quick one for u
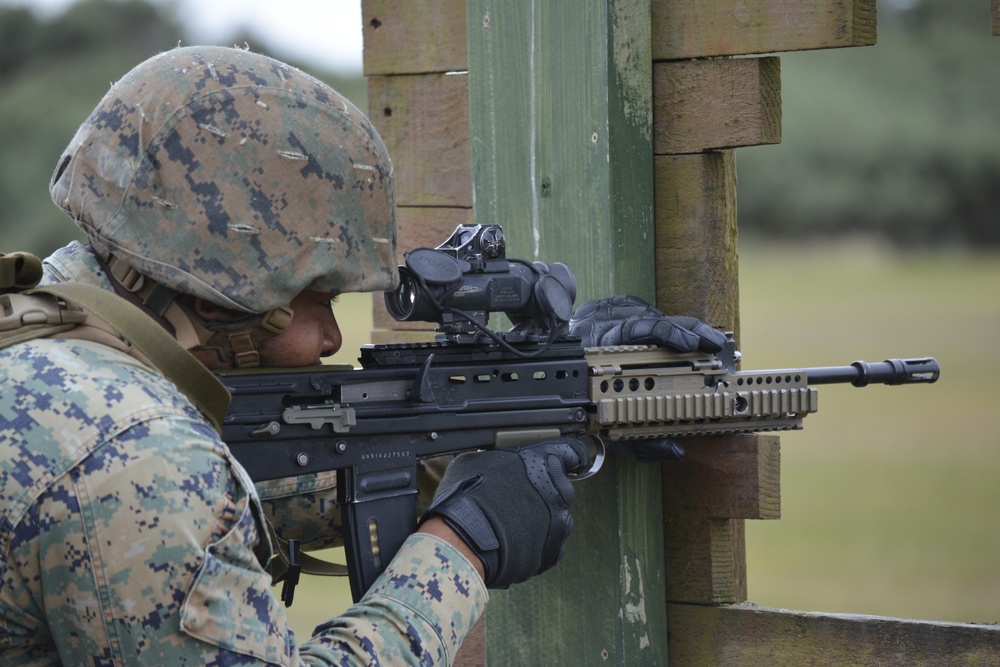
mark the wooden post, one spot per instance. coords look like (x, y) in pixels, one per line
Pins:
(562, 157)
(703, 109)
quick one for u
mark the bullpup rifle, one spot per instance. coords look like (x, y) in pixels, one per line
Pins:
(475, 388)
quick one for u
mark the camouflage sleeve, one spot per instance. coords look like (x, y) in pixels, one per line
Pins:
(145, 554)
(163, 571)
(417, 613)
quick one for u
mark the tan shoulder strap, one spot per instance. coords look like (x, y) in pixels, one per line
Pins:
(191, 377)
(38, 318)
(25, 317)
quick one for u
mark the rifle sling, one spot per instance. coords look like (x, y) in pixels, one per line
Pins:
(191, 377)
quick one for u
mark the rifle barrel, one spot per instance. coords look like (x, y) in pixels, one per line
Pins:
(890, 371)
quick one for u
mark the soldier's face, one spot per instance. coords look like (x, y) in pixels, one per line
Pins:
(312, 334)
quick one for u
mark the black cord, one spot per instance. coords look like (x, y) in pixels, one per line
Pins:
(496, 338)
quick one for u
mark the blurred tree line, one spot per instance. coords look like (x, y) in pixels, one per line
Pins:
(899, 140)
(52, 75)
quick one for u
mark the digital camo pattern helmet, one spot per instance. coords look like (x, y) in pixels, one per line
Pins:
(233, 177)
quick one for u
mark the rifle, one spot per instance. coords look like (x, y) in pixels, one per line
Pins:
(476, 388)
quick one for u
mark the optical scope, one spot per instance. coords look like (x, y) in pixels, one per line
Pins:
(461, 282)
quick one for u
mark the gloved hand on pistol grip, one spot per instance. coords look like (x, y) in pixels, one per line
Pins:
(628, 320)
(511, 506)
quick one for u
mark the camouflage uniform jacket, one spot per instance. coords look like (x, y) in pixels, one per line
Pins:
(129, 535)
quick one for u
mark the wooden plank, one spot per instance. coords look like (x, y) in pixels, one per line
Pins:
(722, 481)
(697, 274)
(696, 28)
(704, 105)
(705, 558)
(732, 477)
(558, 138)
(413, 36)
(424, 121)
(604, 602)
(561, 120)
(995, 16)
(747, 636)
(697, 270)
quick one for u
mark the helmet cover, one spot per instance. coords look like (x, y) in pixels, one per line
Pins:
(233, 177)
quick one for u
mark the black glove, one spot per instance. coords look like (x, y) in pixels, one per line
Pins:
(511, 506)
(628, 320)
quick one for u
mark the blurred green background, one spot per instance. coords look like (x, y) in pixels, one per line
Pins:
(871, 231)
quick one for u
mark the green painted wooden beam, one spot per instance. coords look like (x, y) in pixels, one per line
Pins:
(561, 135)
(561, 115)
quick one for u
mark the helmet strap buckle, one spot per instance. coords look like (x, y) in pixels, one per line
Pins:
(245, 354)
(276, 320)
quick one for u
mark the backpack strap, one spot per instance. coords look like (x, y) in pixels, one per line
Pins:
(24, 317)
(26, 314)
(197, 382)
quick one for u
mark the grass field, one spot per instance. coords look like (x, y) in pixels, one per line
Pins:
(890, 495)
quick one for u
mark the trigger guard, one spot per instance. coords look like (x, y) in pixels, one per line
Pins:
(600, 451)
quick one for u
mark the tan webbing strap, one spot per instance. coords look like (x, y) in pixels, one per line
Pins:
(191, 377)
(19, 271)
(24, 317)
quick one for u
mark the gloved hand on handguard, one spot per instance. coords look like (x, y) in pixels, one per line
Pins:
(628, 320)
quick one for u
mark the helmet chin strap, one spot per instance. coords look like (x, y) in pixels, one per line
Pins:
(235, 342)
(151, 297)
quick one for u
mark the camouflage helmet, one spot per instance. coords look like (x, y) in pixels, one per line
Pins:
(233, 177)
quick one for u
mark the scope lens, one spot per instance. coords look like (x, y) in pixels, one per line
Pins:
(402, 301)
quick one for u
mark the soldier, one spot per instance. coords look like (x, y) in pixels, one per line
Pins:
(232, 198)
